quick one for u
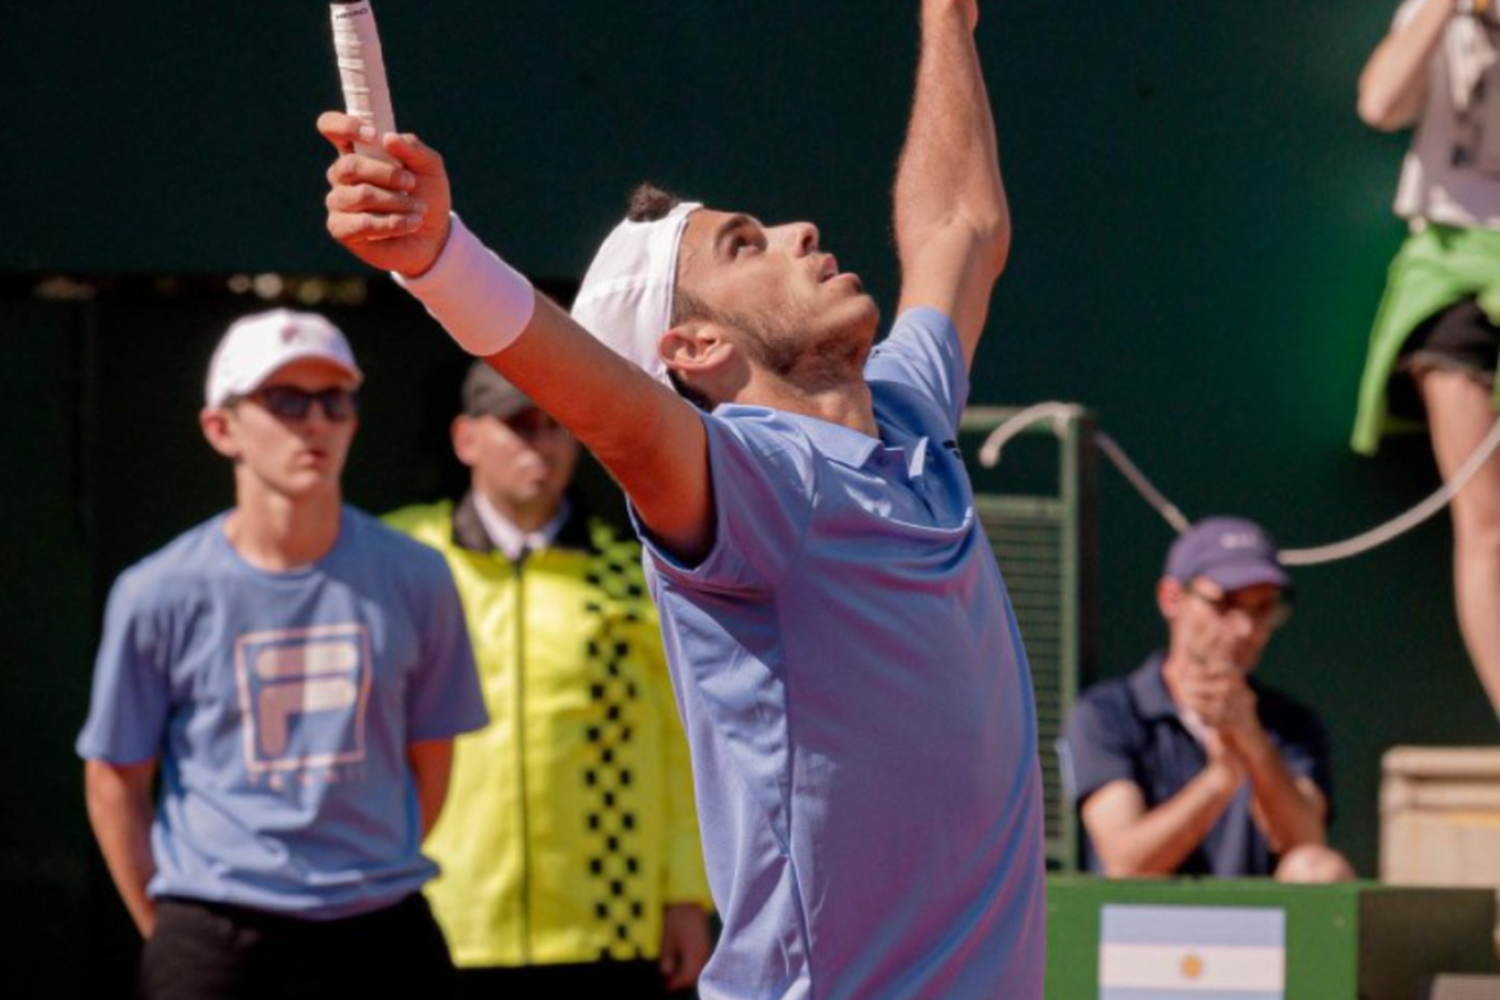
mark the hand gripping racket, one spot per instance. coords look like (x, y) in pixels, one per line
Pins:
(356, 45)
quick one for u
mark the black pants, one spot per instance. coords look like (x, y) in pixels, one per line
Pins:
(212, 951)
(605, 979)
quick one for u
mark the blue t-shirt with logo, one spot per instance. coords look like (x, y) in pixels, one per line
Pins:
(858, 703)
(280, 707)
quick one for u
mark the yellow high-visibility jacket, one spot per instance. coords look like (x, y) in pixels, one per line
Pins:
(569, 823)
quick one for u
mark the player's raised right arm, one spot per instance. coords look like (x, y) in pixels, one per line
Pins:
(396, 217)
(952, 220)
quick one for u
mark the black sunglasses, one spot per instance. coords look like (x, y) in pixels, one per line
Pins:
(287, 402)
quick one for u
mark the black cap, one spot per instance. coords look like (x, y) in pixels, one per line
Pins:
(488, 393)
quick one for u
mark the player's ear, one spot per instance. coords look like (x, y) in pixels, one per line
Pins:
(704, 358)
(694, 348)
(215, 422)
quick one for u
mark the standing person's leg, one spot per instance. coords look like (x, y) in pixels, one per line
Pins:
(1460, 413)
(202, 951)
(398, 951)
(613, 980)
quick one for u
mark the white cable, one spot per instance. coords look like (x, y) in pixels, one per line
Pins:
(1132, 473)
(1060, 413)
(1404, 522)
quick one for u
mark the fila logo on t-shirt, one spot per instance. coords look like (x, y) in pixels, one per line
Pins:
(303, 695)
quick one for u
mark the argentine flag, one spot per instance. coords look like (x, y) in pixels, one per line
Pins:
(1192, 953)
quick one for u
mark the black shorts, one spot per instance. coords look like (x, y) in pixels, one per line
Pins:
(1460, 338)
(213, 951)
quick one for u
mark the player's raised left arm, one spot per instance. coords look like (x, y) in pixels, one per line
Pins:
(952, 221)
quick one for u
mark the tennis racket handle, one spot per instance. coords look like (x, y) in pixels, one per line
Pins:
(356, 46)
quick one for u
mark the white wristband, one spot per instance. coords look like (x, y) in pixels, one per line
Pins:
(481, 301)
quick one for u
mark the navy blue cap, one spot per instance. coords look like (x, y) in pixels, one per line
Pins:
(1230, 551)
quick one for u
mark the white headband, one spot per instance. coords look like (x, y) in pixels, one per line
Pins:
(626, 297)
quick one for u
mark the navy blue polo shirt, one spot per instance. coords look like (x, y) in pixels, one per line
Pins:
(1128, 728)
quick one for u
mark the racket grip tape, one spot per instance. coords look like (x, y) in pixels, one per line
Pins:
(356, 46)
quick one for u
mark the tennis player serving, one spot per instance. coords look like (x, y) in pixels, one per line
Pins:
(844, 654)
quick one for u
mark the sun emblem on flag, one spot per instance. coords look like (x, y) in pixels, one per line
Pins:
(1192, 967)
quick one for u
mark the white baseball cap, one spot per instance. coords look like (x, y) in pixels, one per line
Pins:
(256, 347)
(626, 297)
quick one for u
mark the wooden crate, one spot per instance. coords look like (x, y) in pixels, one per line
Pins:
(1440, 816)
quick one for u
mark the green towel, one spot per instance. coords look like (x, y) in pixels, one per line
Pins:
(1436, 267)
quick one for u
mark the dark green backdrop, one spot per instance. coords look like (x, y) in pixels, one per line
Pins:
(1201, 230)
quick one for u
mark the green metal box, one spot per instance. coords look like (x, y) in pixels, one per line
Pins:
(1351, 941)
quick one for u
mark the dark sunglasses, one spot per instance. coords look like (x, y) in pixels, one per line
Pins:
(287, 402)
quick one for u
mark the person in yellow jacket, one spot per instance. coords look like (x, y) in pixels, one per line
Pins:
(569, 846)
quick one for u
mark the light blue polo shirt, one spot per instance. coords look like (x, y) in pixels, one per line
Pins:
(858, 703)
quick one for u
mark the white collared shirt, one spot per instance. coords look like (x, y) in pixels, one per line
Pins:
(512, 540)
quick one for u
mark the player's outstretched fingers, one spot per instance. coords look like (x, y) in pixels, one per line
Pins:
(354, 228)
(392, 216)
(344, 130)
(370, 198)
(352, 170)
(413, 153)
(425, 166)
